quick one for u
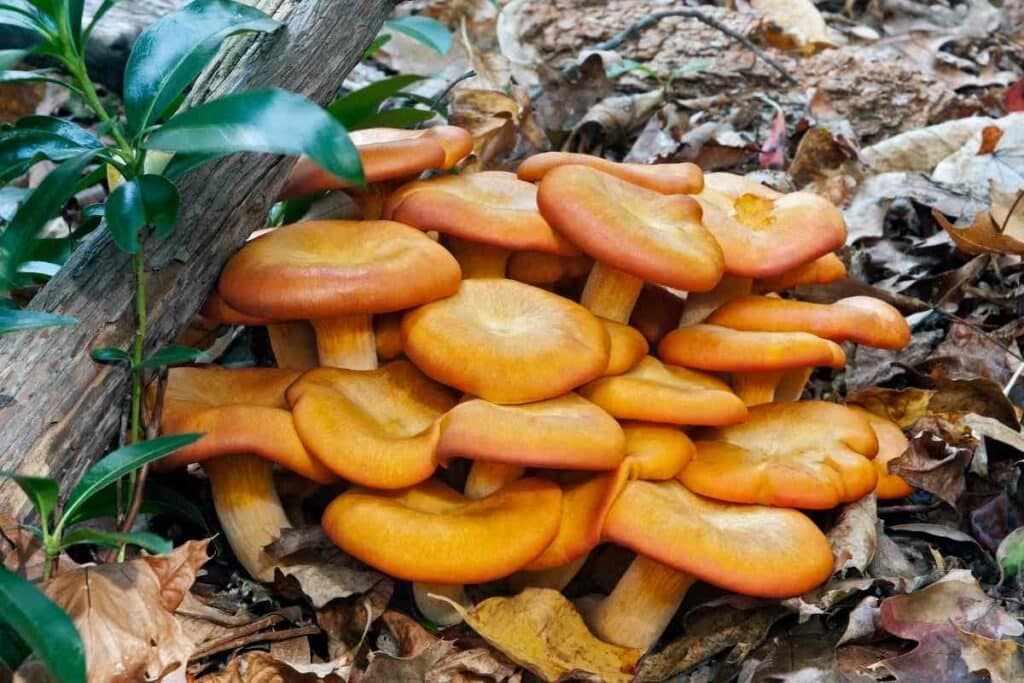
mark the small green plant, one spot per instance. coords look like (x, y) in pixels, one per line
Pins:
(665, 81)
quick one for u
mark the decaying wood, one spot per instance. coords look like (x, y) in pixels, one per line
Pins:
(58, 408)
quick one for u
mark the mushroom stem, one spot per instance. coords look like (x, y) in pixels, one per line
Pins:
(487, 477)
(791, 385)
(756, 387)
(248, 508)
(439, 611)
(611, 293)
(555, 578)
(641, 605)
(346, 342)
(371, 199)
(479, 260)
(294, 345)
(699, 305)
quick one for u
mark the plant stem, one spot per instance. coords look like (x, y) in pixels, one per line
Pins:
(135, 422)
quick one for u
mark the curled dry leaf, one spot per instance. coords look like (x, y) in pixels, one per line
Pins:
(922, 149)
(937, 459)
(325, 575)
(609, 123)
(20, 551)
(125, 614)
(999, 230)
(793, 25)
(994, 154)
(1001, 659)
(262, 667)
(501, 126)
(854, 535)
(539, 629)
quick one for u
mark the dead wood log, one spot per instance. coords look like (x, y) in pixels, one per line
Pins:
(59, 410)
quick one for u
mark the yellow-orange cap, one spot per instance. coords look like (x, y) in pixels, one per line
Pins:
(681, 178)
(820, 271)
(892, 443)
(722, 349)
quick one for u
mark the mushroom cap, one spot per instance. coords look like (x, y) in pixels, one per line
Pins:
(506, 342)
(803, 454)
(722, 349)
(681, 178)
(432, 533)
(820, 271)
(759, 551)
(655, 452)
(654, 392)
(892, 443)
(328, 269)
(240, 411)
(387, 335)
(567, 432)
(540, 268)
(859, 319)
(216, 310)
(657, 238)
(491, 207)
(627, 347)
(764, 233)
(386, 154)
(377, 428)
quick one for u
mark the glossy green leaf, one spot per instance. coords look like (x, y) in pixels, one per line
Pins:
(145, 540)
(14, 320)
(11, 58)
(171, 52)
(41, 137)
(30, 76)
(10, 197)
(376, 44)
(159, 500)
(358, 105)
(74, 10)
(403, 117)
(121, 462)
(110, 355)
(39, 269)
(148, 199)
(13, 649)
(430, 32)
(180, 164)
(41, 491)
(175, 354)
(24, 15)
(43, 626)
(271, 121)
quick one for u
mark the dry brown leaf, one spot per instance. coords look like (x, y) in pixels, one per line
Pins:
(493, 119)
(124, 613)
(1002, 660)
(937, 460)
(325, 575)
(261, 667)
(992, 155)
(610, 122)
(922, 149)
(793, 25)
(539, 629)
(1000, 230)
(854, 535)
(19, 99)
(20, 551)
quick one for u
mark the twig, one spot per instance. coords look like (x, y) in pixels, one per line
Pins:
(653, 18)
(271, 637)
(1013, 380)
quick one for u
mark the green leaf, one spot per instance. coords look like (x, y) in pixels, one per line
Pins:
(1010, 555)
(360, 104)
(13, 649)
(376, 44)
(270, 121)
(10, 197)
(29, 76)
(403, 117)
(96, 16)
(180, 164)
(11, 58)
(430, 32)
(110, 355)
(23, 15)
(41, 491)
(171, 52)
(148, 199)
(39, 269)
(13, 320)
(41, 137)
(175, 354)
(159, 500)
(146, 541)
(121, 462)
(74, 10)
(43, 627)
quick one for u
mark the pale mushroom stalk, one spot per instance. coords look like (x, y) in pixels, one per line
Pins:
(556, 578)
(346, 342)
(293, 344)
(477, 259)
(611, 293)
(757, 387)
(792, 384)
(700, 305)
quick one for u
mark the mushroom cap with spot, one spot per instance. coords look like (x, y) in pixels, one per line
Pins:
(491, 207)
(820, 271)
(892, 443)
(681, 178)
(764, 233)
(721, 349)
(386, 154)
(627, 347)
(431, 533)
(654, 237)
(567, 433)
(377, 428)
(803, 454)
(750, 549)
(506, 342)
(329, 269)
(859, 319)
(654, 392)
(240, 411)
(539, 268)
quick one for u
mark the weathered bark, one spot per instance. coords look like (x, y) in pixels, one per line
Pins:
(58, 409)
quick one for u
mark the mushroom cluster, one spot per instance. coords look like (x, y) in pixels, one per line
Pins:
(486, 318)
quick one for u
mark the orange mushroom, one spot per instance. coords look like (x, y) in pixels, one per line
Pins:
(486, 216)
(820, 271)
(807, 454)
(336, 274)
(545, 270)
(892, 443)
(293, 343)
(681, 178)
(627, 347)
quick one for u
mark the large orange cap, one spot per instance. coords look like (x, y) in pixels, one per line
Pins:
(657, 238)
(759, 551)
(805, 454)
(432, 533)
(655, 451)
(682, 178)
(492, 207)
(386, 154)
(820, 271)
(377, 428)
(859, 319)
(241, 411)
(216, 310)
(567, 432)
(627, 347)
(328, 269)
(506, 342)
(722, 349)
(654, 392)
(764, 233)
(892, 443)
(541, 269)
